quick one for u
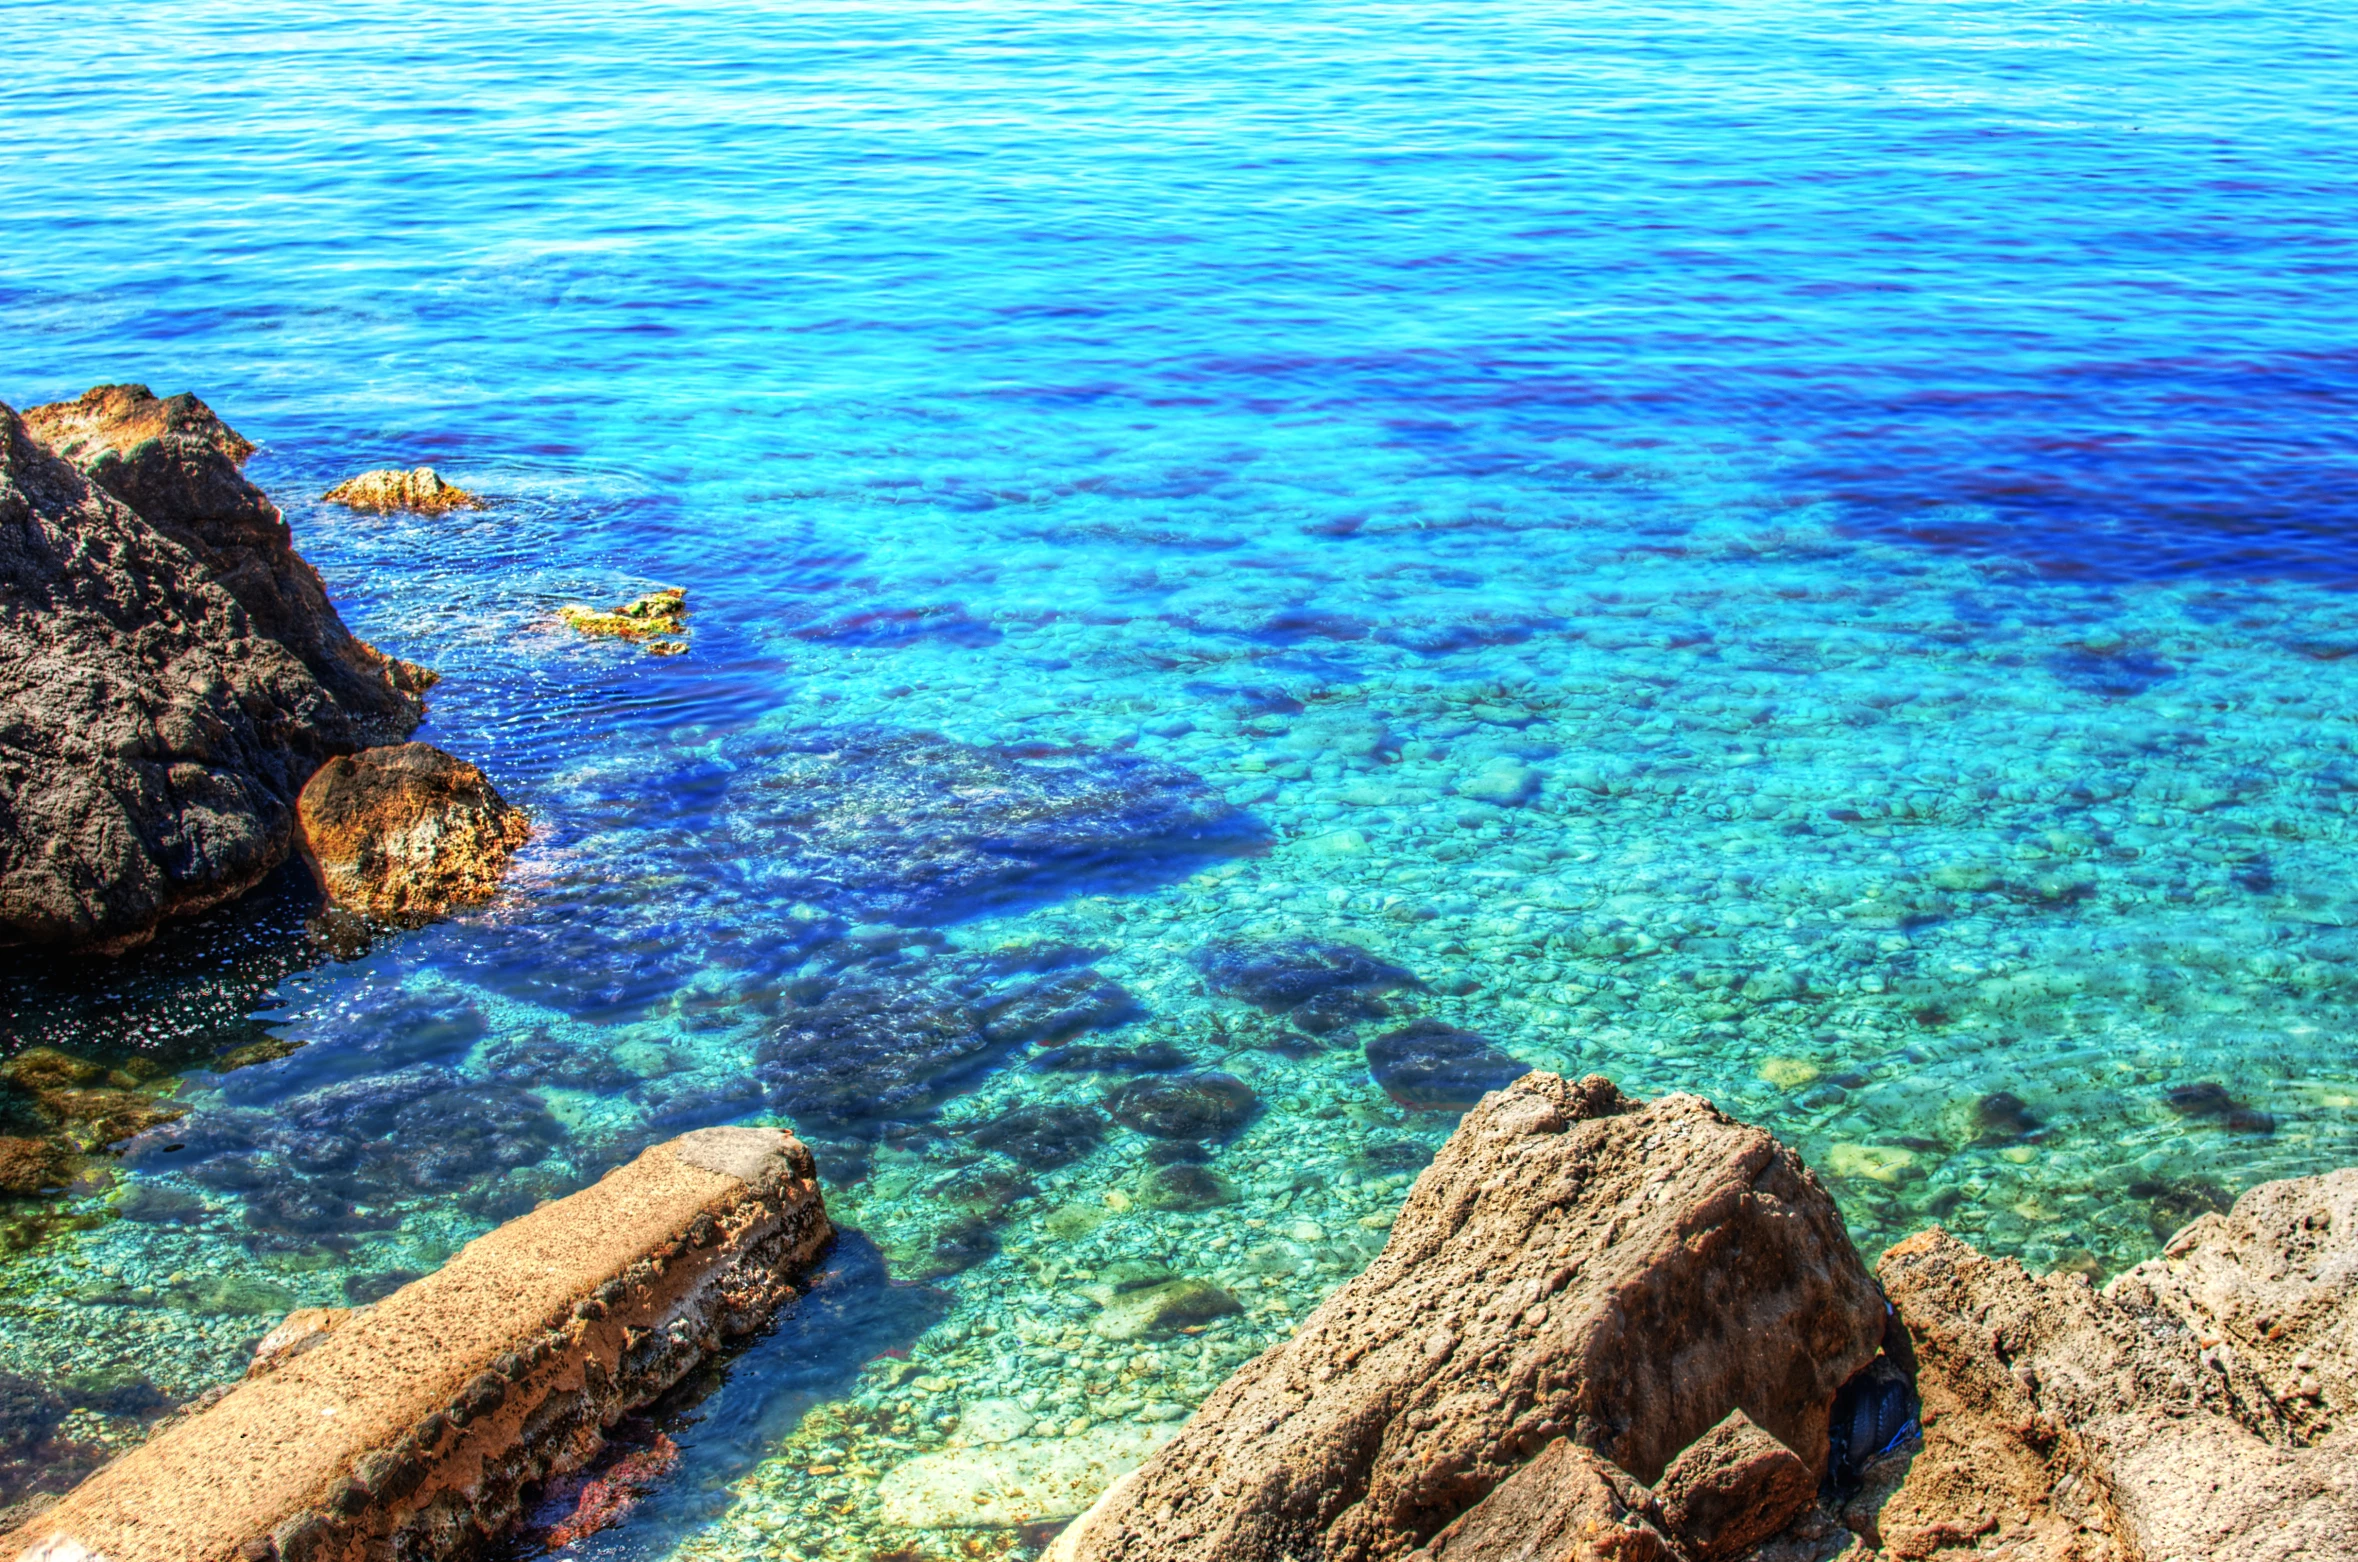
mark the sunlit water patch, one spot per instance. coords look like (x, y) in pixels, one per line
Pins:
(1249, 576)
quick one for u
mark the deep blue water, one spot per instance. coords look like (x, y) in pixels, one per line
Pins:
(1799, 553)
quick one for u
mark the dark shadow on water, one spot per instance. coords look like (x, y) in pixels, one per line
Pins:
(728, 1416)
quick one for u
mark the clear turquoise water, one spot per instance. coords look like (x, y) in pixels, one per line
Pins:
(1879, 479)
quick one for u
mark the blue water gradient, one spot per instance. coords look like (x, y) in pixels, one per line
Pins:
(1798, 553)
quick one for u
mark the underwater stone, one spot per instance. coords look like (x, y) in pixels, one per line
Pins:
(993, 1420)
(1159, 1309)
(1321, 986)
(2001, 1118)
(1061, 1007)
(396, 1372)
(1043, 1137)
(406, 832)
(1032, 1482)
(30, 1166)
(912, 827)
(869, 1050)
(2210, 1099)
(1185, 1187)
(1184, 1106)
(1155, 1057)
(1427, 1065)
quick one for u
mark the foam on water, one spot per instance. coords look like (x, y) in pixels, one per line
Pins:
(1794, 556)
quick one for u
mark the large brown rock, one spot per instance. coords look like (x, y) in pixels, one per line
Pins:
(2066, 1425)
(1571, 1264)
(406, 832)
(1566, 1505)
(1734, 1487)
(166, 687)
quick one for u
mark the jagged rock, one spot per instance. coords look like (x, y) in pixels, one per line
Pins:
(1566, 1505)
(649, 619)
(406, 832)
(2064, 1424)
(421, 489)
(167, 682)
(1572, 1264)
(177, 466)
(1732, 1488)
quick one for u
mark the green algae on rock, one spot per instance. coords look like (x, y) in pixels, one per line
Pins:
(420, 489)
(646, 619)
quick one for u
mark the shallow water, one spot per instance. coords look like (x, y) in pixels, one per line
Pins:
(1796, 555)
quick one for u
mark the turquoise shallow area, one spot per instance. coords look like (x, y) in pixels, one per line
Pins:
(1800, 554)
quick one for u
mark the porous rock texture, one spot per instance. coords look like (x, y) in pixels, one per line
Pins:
(412, 1427)
(406, 832)
(1572, 1264)
(170, 672)
(2181, 1413)
(1566, 1505)
(1733, 1487)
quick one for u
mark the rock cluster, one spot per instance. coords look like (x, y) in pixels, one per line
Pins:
(171, 672)
(1640, 1333)
(406, 832)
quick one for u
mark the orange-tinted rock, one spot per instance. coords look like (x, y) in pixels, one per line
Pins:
(407, 832)
(1567, 1505)
(1732, 1488)
(2065, 1425)
(34, 1165)
(414, 1429)
(1572, 1265)
(421, 489)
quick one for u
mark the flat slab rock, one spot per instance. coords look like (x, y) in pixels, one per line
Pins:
(411, 1427)
(1572, 1266)
(2195, 1408)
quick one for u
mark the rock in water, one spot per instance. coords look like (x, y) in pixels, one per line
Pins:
(177, 466)
(1184, 1106)
(406, 832)
(1321, 987)
(1572, 1265)
(1029, 1482)
(1431, 1066)
(167, 683)
(867, 1051)
(2158, 1418)
(421, 489)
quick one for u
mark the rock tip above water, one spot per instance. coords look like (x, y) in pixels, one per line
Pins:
(406, 832)
(420, 489)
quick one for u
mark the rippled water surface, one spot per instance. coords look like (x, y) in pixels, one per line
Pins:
(1796, 553)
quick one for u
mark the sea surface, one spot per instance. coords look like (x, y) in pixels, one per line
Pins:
(1253, 569)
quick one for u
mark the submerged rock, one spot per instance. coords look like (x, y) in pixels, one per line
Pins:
(1185, 1186)
(386, 489)
(869, 1050)
(34, 1166)
(407, 832)
(1572, 1266)
(1184, 1106)
(1034, 1481)
(1159, 1309)
(1043, 1137)
(1321, 987)
(1055, 1009)
(651, 618)
(174, 672)
(911, 828)
(1427, 1065)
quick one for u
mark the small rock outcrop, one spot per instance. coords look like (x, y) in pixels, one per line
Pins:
(170, 672)
(1573, 1269)
(406, 832)
(1732, 1488)
(651, 619)
(420, 489)
(413, 1427)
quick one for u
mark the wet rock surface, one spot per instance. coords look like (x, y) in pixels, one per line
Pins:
(1572, 1265)
(420, 489)
(172, 677)
(406, 832)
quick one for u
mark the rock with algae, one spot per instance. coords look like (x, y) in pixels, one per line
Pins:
(420, 489)
(649, 619)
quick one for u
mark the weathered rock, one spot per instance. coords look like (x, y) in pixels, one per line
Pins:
(406, 832)
(2064, 1424)
(421, 489)
(177, 466)
(414, 1429)
(167, 683)
(1572, 1264)
(650, 619)
(1566, 1505)
(1732, 1488)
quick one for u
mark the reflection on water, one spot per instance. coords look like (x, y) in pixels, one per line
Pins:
(1249, 580)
